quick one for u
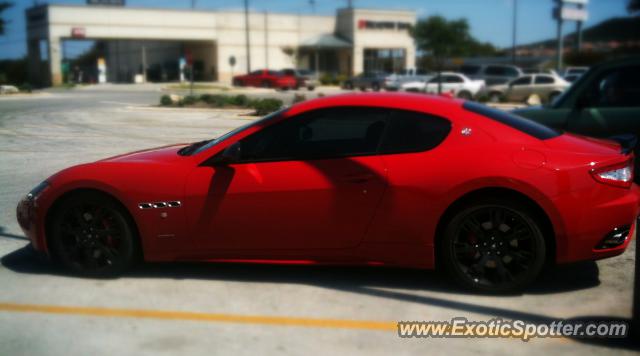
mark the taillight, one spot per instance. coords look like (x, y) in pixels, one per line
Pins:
(619, 175)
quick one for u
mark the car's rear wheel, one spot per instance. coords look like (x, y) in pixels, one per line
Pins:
(375, 87)
(348, 85)
(265, 84)
(237, 83)
(92, 236)
(494, 246)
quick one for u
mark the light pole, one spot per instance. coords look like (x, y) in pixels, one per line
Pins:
(246, 33)
(515, 21)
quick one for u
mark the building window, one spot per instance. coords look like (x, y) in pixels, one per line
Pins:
(388, 60)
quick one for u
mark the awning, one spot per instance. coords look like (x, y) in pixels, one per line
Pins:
(325, 41)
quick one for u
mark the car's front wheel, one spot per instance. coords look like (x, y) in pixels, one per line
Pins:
(494, 246)
(93, 236)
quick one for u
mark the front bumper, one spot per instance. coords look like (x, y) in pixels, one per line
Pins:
(28, 219)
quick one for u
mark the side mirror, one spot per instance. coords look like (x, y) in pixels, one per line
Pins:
(229, 155)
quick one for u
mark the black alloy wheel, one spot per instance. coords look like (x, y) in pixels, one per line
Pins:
(92, 236)
(495, 247)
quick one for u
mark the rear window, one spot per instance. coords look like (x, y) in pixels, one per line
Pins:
(519, 123)
(411, 131)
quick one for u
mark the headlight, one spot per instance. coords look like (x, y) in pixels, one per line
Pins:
(35, 192)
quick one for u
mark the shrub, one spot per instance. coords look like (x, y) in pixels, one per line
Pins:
(298, 98)
(205, 98)
(483, 98)
(326, 79)
(190, 100)
(215, 100)
(165, 100)
(340, 79)
(266, 106)
(239, 100)
(26, 87)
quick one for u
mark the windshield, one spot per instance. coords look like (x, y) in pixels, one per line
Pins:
(237, 130)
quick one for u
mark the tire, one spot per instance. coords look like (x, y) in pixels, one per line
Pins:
(363, 88)
(92, 236)
(495, 97)
(375, 87)
(348, 85)
(237, 83)
(465, 95)
(500, 259)
(265, 84)
(311, 88)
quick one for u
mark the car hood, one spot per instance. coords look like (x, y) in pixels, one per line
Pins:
(164, 154)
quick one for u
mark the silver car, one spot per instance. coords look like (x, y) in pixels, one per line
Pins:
(395, 81)
(545, 86)
(492, 74)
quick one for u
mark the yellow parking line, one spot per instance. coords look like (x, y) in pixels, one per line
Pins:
(194, 316)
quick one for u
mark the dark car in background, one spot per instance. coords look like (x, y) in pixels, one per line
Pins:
(492, 74)
(367, 80)
(603, 102)
(266, 78)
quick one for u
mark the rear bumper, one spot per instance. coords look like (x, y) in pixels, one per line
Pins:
(589, 220)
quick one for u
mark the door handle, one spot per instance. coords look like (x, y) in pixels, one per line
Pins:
(359, 177)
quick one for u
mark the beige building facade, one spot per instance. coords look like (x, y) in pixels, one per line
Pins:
(161, 43)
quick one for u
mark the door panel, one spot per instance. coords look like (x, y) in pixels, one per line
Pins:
(285, 205)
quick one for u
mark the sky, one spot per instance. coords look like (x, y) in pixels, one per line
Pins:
(490, 20)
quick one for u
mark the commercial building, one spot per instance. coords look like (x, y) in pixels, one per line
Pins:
(158, 42)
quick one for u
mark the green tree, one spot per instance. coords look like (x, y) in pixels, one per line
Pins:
(633, 6)
(3, 6)
(442, 39)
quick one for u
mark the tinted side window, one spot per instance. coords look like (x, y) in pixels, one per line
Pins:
(522, 81)
(494, 70)
(453, 79)
(510, 71)
(544, 79)
(323, 133)
(617, 88)
(413, 132)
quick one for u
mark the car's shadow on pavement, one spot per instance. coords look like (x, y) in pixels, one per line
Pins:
(557, 280)
(371, 281)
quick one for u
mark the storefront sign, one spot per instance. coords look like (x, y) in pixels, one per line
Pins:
(383, 25)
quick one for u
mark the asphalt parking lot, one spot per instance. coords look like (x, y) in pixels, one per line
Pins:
(240, 309)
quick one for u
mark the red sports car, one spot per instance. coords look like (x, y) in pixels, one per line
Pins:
(366, 179)
(267, 79)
